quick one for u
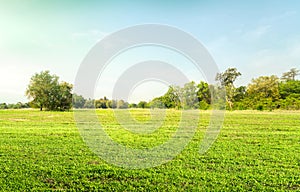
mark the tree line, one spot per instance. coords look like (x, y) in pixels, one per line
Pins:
(262, 93)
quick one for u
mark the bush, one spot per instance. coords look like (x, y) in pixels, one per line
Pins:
(3, 106)
(203, 105)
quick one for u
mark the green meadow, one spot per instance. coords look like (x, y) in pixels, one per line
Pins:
(255, 151)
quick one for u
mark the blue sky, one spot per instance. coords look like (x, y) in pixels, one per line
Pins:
(257, 37)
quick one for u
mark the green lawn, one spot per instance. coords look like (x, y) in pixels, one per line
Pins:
(43, 151)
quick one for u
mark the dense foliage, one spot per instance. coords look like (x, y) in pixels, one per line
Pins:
(262, 93)
(47, 92)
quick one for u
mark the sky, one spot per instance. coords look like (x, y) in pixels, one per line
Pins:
(257, 37)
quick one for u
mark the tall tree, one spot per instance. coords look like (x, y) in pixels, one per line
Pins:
(227, 79)
(189, 96)
(64, 97)
(40, 87)
(203, 92)
(172, 98)
(47, 92)
(290, 75)
(78, 101)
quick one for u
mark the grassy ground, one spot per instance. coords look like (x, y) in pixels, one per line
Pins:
(258, 151)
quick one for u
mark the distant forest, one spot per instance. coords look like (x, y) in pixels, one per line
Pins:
(262, 93)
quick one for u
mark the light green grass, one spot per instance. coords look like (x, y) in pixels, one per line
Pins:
(43, 151)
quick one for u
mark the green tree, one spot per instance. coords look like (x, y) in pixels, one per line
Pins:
(101, 103)
(89, 103)
(291, 102)
(290, 75)
(47, 92)
(240, 93)
(203, 92)
(64, 97)
(290, 94)
(40, 87)
(264, 87)
(78, 101)
(189, 96)
(111, 104)
(157, 103)
(3, 106)
(288, 88)
(142, 104)
(227, 79)
(121, 104)
(264, 92)
(172, 98)
(132, 105)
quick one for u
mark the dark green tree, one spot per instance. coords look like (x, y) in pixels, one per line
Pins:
(289, 88)
(172, 98)
(290, 94)
(203, 92)
(3, 106)
(101, 103)
(142, 104)
(132, 105)
(240, 93)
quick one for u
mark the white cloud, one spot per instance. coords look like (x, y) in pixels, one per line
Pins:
(267, 62)
(253, 56)
(257, 33)
(277, 18)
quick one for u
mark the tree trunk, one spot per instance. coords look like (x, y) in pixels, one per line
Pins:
(41, 108)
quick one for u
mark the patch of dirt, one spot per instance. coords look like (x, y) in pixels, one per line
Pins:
(18, 120)
(94, 162)
(49, 181)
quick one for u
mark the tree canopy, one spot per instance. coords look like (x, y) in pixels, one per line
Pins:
(46, 91)
(290, 75)
(227, 79)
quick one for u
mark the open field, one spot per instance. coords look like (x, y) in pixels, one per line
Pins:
(257, 151)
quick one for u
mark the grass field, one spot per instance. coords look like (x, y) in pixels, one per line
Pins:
(255, 151)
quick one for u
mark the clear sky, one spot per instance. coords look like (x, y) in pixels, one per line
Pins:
(256, 37)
